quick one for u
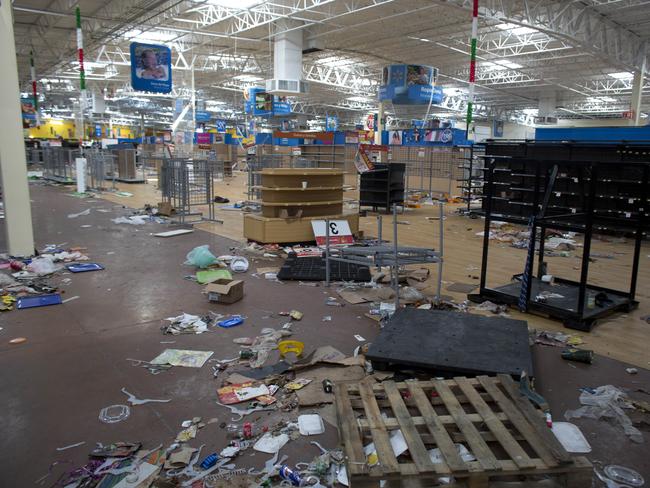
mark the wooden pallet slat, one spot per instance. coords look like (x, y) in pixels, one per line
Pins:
(478, 446)
(519, 421)
(416, 447)
(452, 459)
(378, 430)
(507, 441)
(533, 417)
(489, 434)
(349, 431)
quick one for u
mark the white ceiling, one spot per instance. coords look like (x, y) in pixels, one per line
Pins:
(527, 50)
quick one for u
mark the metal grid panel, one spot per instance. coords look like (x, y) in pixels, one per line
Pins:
(59, 164)
(429, 170)
(101, 169)
(188, 184)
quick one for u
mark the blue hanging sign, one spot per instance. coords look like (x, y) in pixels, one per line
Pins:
(331, 123)
(151, 68)
(261, 103)
(410, 84)
(202, 116)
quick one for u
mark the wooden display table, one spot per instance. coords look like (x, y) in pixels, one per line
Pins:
(291, 199)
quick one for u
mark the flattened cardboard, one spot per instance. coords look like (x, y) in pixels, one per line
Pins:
(225, 291)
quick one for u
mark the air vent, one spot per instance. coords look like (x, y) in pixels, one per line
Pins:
(286, 87)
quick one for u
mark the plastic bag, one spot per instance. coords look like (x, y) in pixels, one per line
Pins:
(606, 402)
(43, 265)
(201, 257)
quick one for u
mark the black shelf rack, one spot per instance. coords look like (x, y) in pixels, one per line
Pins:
(471, 182)
(383, 187)
(573, 187)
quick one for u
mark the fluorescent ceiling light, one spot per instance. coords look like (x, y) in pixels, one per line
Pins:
(334, 61)
(247, 78)
(150, 35)
(601, 99)
(500, 65)
(515, 29)
(622, 75)
(360, 99)
(531, 111)
(238, 4)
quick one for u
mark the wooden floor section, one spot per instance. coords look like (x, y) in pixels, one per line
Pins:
(624, 337)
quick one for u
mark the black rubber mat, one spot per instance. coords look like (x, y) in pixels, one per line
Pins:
(312, 268)
(452, 343)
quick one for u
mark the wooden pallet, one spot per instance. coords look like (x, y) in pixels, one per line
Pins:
(508, 437)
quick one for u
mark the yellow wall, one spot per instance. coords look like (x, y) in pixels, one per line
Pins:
(52, 129)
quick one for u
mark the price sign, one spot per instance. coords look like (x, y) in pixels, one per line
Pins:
(339, 232)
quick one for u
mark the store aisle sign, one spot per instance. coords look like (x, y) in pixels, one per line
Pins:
(410, 84)
(261, 103)
(331, 123)
(221, 125)
(202, 116)
(339, 232)
(151, 68)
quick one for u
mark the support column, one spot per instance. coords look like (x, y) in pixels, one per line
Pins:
(380, 123)
(637, 92)
(13, 166)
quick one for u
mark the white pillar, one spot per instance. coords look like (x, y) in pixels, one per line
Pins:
(637, 92)
(380, 123)
(13, 166)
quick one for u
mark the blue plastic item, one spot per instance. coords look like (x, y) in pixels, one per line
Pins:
(231, 322)
(210, 461)
(83, 267)
(286, 473)
(39, 301)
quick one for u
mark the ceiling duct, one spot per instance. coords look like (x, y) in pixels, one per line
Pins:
(287, 62)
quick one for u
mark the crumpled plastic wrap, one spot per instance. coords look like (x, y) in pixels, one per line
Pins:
(201, 257)
(606, 402)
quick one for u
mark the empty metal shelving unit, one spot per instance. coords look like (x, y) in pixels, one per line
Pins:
(391, 255)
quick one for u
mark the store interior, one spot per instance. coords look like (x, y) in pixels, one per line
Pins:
(321, 243)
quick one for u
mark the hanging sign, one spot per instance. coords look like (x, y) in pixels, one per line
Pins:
(326, 137)
(410, 84)
(151, 68)
(331, 123)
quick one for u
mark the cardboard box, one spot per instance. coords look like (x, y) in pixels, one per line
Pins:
(225, 291)
(165, 208)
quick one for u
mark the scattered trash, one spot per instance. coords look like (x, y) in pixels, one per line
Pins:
(212, 275)
(83, 267)
(623, 475)
(231, 394)
(606, 402)
(74, 216)
(183, 358)
(174, 233)
(571, 437)
(286, 347)
(296, 315)
(38, 301)
(70, 299)
(359, 338)
(271, 444)
(239, 264)
(18, 340)
(201, 257)
(225, 291)
(135, 401)
(297, 384)
(631, 370)
(185, 324)
(578, 355)
(114, 414)
(311, 424)
(65, 448)
(327, 318)
(231, 322)
(133, 220)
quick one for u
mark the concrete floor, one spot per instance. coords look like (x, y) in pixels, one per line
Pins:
(74, 362)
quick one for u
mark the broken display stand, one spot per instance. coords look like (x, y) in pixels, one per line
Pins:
(538, 183)
(391, 255)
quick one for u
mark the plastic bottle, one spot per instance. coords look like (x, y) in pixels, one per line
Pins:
(210, 461)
